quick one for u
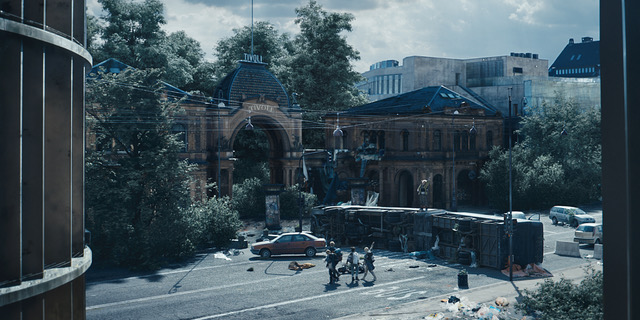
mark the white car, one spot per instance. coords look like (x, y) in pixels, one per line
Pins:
(590, 233)
(570, 215)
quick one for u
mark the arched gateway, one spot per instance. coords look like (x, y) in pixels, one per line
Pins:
(252, 96)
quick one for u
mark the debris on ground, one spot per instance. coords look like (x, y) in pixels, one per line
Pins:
(532, 270)
(462, 308)
(297, 266)
(221, 255)
(250, 269)
(502, 302)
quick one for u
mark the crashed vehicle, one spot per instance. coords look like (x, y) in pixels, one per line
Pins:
(290, 243)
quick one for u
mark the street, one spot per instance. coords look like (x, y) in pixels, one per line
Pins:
(214, 285)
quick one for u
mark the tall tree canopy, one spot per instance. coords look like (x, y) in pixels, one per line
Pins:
(267, 42)
(321, 69)
(131, 32)
(557, 162)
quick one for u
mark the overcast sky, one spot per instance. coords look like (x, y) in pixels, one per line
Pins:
(395, 29)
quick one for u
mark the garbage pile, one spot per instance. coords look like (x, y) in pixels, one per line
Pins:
(462, 308)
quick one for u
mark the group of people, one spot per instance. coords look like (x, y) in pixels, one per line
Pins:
(334, 256)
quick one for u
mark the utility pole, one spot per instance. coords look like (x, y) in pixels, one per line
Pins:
(510, 216)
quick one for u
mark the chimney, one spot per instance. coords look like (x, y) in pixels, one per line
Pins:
(570, 40)
(587, 39)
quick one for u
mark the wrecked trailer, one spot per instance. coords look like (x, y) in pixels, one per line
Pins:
(390, 227)
(464, 238)
(469, 238)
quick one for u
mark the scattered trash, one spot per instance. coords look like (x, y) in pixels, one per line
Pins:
(250, 269)
(453, 299)
(432, 265)
(390, 270)
(531, 270)
(297, 266)
(413, 267)
(418, 254)
(221, 255)
(502, 302)
(435, 316)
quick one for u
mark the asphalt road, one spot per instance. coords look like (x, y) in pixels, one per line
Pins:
(218, 286)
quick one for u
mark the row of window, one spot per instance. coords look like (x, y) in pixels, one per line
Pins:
(462, 140)
(575, 71)
(386, 84)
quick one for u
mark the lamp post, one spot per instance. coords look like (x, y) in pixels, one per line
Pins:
(300, 202)
(510, 215)
(220, 106)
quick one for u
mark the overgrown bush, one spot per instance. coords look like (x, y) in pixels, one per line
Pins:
(564, 300)
(289, 203)
(214, 221)
(249, 199)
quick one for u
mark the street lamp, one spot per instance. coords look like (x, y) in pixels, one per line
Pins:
(300, 203)
(510, 215)
(220, 106)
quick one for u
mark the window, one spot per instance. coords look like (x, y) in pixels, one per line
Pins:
(437, 140)
(456, 140)
(180, 131)
(465, 140)
(381, 140)
(426, 139)
(489, 140)
(472, 141)
(405, 140)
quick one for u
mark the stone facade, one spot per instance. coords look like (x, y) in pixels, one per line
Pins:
(399, 141)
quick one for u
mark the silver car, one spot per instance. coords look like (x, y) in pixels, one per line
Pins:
(569, 215)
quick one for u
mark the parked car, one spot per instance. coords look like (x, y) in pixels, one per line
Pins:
(290, 243)
(570, 215)
(590, 233)
(517, 215)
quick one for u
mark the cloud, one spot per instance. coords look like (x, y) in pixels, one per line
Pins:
(394, 29)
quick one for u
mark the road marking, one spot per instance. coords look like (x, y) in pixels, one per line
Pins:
(176, 294)
(278, 304)
(165, 273)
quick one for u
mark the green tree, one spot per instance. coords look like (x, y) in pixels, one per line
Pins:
(248, 198)
(267, 42)
(564, 300)
(290, 202)
(131, 32)
(252, 151)
(137, 189)
(321, 69)
(558, 160)
(214, 221)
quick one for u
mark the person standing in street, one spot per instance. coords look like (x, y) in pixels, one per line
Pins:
(330, 261)
(355, 261)
(368, 262)
(423, 189)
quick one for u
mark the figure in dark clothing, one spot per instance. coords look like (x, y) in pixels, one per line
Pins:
(331, 261)
(368, 262)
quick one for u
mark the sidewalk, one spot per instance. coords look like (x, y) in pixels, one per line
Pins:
(434, 308)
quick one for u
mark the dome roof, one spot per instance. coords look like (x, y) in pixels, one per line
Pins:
(248, 81)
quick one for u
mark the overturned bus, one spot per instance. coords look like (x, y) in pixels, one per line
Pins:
(460, 237)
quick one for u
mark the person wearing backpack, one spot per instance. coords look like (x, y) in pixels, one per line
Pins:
(368, 262)
(354, 261)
